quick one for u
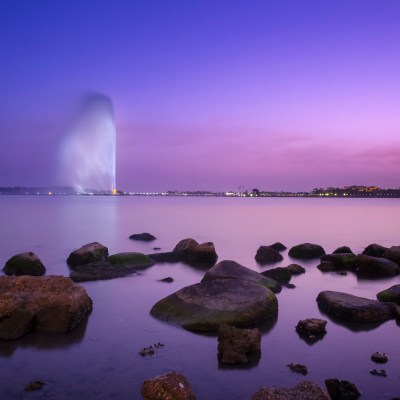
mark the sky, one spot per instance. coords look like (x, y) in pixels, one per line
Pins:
(207, 95)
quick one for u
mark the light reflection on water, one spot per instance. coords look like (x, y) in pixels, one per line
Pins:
(100, 360)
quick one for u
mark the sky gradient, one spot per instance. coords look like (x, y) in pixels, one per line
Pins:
(207, 95)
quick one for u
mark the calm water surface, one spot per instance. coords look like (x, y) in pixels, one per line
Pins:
(100, 359)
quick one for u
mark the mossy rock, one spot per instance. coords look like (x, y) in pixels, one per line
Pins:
(306, 251)
(136, 260)
(390, 295)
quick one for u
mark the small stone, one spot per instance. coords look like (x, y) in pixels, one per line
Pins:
(342, 273)
(156, 248)
(378, 372)
(379, 358)
(312, 329)
(144, 237)
(168, 279)
(290, 286)
(299, 368)
(33, 386)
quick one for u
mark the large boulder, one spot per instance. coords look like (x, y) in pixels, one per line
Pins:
(44, 304)
(375, 266)
(374, 250)
(266, 254)
(305, 390)
(235, 343)
(390, 295)
(337, 262)
(89, 253)
(355, 309)
(393, 254)
(196, 254)
(229, 269)
(207, 305)
(24, 264)
(170, 386)
(116, 266)
(144, 237)
(306, 251)
(343, 249)
(280, 274)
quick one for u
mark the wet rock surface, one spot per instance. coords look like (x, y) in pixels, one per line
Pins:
(380, 358)
(295, 269)
(144, 237)
(303, 391)
(88, 253)
(342, 390)
(311, 329)
(355, 309)
(392, 294)
(393, 254)
(375, 266)
(202, 255)
(339, 261)
(24, 264)
(43, 304)
(267, 255)
(306, 251)
(229, 269)
(234, 344)
(280, 274)
(132, 259)
(374, 250)
(207, 305)
(170, 386)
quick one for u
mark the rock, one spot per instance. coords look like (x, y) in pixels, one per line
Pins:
(311, 329)
(303, 391)
(144, 237)
(278, 246)
(169, 257)
(89, 253)
(306, 251)
(355, 309)
(374, 250)
(340, 260)
(24, 264)
(326, 266)
(43, 304)
(267, 255)
(290, 286)
(117, 266)
(393, 254)
(392, 294)
(168, 280)
(207, 305)
(150, 351)
(343, 249)
(375, 266)
(170, 386)
(342, 273)
(380, 358)
(299, 368)
(279, 274)
(342, 390)
(295, 269)
(378, 372)
(156, 248)
(196, 254)
(229, 269)
(33, 386)
(134, 260)
(235, 343)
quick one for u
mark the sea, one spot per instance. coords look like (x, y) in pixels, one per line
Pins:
(100, 359)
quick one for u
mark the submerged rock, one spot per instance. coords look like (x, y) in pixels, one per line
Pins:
(392, 294)
(342, 390)
(170, 386)
(266, 254)
(33, 386)
(305, 390)
(235, 343)
(340, 261)
(207, 305)
(311, 329)
(306, 251)
(393, 254)
(89, 253)
(24, 264)
(144, 237)
(278, 246)
(169, 257)
(168, 279)
(355, 309)
(43, 304)
(229, 269)
(196, 254)
(374, 250)
(375, 266)
(135, 260)
(378, 372)
(279, 274)
(343, 249)
(298, 368)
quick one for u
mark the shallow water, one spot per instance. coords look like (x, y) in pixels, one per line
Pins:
(100, 359)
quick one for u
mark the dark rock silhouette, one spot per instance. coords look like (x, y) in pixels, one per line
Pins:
(24, 264)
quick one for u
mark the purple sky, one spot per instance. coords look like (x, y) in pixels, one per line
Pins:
(278, 95)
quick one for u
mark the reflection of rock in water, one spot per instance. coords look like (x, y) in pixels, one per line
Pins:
(88, 152)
